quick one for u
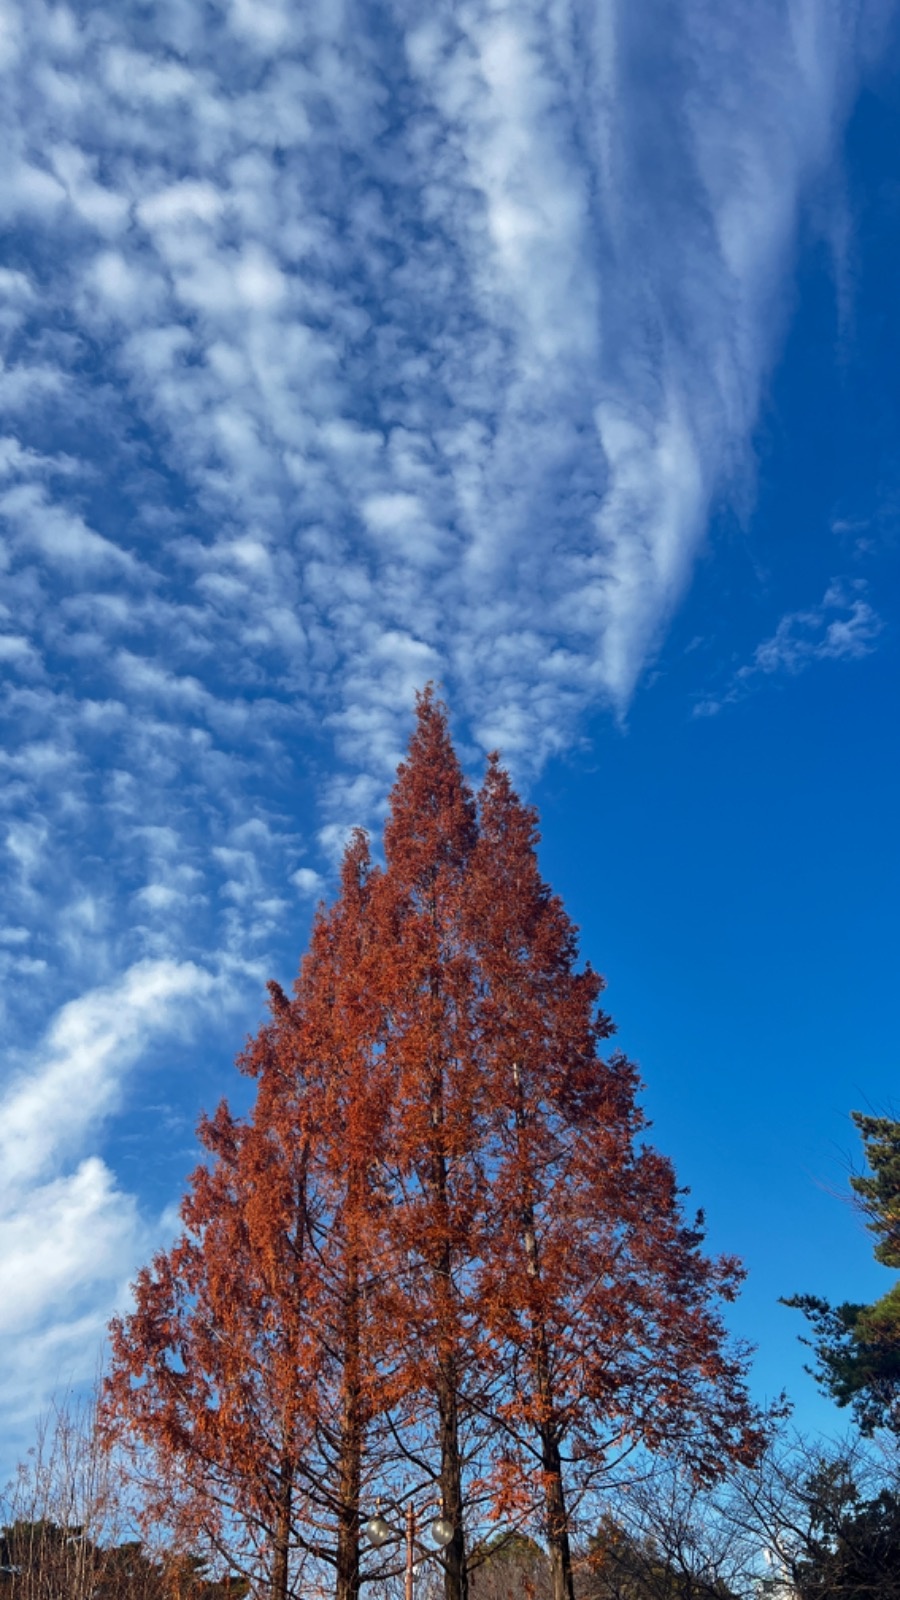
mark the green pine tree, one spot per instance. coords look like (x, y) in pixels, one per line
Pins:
(857, 1347)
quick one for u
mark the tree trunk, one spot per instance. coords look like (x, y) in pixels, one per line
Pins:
(281, 1541)
(557, 1520)
(281, 1544)
(456, 1577)
(555, 1513)
(347, 1569)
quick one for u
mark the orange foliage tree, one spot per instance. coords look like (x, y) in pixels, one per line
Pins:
(428, 990)
(435, 1261)
(593, 1285)
(214, 1371)
(243, 1376)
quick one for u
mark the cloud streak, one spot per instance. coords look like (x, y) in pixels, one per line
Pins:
(843, 627)
(69, 1234)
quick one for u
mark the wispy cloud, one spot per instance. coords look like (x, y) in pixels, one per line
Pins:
(843, 627)
(69, 1234)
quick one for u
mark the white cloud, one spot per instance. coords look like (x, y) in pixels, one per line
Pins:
(30, 191)
(75, 1081)
(308, 883)
(650, 522)
(69, 1234)
(260, 283)
(18, 652)
(843, 627)
(27, 385)
(59, 532)
(817, 635)
(181, 205)
(98, 205)
(264, 23)
(141, 677)
(10, 39)
(16, 294)
(122, 285)
(134, 73)
(401, 525)
(18, 462)
(25, 842)
(66, 1238)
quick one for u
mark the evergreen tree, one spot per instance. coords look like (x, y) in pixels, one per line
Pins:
(855, 1551)
(878, 1192)
(857, 1347)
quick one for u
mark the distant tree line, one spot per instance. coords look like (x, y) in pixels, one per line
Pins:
(68, 1527)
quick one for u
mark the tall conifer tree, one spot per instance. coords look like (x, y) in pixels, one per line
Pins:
(428, 996)
(436, 1258)
(248, 1370)
(592, 1282)
(215, 1374)
(337, 1023)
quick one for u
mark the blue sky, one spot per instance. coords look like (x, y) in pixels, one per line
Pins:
(547, 350)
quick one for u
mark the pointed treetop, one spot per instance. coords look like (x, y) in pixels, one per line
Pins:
(431, 820)
(539, 1006)
(356, 864)
(503, 812)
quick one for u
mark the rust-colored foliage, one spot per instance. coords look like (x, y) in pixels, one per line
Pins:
(428, 993)
(592, 1282)
(243, 1369)
(216, 1371)
(337, 1023)
(436, 1257)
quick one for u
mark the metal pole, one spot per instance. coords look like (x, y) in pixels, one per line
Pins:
(410, 1537)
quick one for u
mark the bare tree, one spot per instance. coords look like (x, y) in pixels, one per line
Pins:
(809, 1521)
(68, 1528)
(826, 1516)
(666, 1537)
(510, 1567)
(60, 1508)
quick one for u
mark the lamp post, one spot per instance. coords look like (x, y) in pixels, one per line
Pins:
(379, 1532)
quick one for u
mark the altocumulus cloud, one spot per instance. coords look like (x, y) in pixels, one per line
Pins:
(341, 347)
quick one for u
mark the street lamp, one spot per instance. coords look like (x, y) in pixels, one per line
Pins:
(441, 1531)
(378, 1532)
